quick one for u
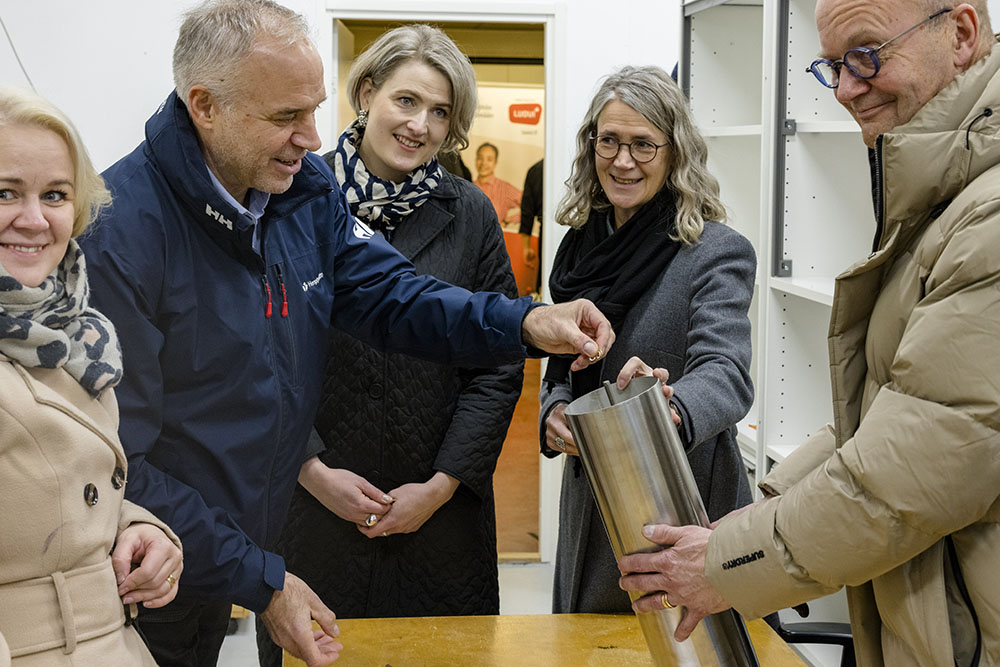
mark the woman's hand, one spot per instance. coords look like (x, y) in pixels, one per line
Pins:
(558, 437)
(147, 565)
(637, 368)
(351, 497)
(414, 505)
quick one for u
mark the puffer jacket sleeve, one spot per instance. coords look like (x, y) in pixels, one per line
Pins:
(483, 410)
(808, 456)
(715, 391)
(220, 558)
(923, 463)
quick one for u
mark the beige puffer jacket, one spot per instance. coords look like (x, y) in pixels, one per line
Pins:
(898, 498)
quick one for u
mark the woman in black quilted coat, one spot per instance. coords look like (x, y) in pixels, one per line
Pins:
(395, 515)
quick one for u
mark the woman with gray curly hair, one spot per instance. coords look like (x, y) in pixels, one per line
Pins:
(649, 247)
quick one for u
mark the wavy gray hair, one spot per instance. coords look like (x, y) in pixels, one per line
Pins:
(653, 94)
(429, 45)
(217, 36)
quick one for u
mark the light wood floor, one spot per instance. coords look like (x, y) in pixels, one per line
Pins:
(515, 483)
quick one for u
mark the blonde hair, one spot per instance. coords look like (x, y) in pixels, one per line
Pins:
(653, 94)
(428, 45)
(20, 107)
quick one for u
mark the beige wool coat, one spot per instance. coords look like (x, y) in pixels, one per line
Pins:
(898, 498)
(62, 473)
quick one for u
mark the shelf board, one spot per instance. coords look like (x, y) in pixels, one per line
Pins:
(817, 289)
(692, 7)
(822, 126)
(779, 453)
(730, 130)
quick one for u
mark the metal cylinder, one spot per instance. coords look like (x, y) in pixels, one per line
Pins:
(639, 472)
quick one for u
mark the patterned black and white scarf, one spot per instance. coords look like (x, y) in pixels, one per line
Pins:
(380, 204)
(51, 326)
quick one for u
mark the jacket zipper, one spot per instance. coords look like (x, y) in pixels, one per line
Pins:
(878, 196)
(956, 570)
(284, 294)
(267, 293)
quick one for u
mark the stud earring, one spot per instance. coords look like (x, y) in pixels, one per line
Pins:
(363, 118)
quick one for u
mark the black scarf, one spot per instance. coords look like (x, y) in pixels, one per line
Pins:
(613, 269)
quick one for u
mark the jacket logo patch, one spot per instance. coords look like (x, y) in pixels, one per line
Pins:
(743, 560)
(361, 230)
(312, 283)
(218, 216)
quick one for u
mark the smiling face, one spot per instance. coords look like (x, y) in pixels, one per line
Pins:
(36, 202)
(486, 163)
(914, 68)
(408, 120)
(629, 184)
(258, 139)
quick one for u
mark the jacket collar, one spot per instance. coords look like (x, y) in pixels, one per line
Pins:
(173, 146)
(945, 146)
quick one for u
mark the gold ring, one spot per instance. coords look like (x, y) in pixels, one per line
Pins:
(371, 520)
(560, 443)
(665, 602)
(171, 579)
(385, 534)
(597, 356)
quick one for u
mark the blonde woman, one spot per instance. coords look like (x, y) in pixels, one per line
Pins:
(72, 549)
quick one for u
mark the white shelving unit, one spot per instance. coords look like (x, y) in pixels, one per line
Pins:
(795, 179)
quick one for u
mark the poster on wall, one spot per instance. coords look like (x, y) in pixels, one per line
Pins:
(512, 118)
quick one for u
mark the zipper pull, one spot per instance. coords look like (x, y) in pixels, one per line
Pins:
(267, 291)
(284, 294)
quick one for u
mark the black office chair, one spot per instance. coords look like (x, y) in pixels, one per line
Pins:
(816, 632)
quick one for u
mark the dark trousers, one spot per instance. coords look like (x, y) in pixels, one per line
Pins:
(188, 636)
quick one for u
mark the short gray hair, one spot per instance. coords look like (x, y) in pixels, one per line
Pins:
(654, 95)
(217, 36)
(428, 45)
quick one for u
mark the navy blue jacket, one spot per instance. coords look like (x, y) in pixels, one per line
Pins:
(218, 397)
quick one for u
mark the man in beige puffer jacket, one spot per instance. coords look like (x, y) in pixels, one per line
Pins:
(899, 498)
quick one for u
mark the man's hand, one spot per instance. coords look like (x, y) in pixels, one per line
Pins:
(577, 327)
(415, 504)
(349, 496)
(558, 435)
(159, 561)
(678, 570)
(288, 619)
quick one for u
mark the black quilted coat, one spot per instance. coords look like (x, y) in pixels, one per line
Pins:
(394, 419)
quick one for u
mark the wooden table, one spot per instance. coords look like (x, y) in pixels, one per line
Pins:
(545, 640)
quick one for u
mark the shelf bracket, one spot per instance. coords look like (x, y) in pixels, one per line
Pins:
(789, 127)
(783, 269)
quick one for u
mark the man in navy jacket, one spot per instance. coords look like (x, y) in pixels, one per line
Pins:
(225, 258)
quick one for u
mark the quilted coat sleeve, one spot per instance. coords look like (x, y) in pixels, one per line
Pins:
(923, 463)
(472, 444)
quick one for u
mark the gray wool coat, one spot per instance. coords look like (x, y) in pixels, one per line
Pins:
(693, 322)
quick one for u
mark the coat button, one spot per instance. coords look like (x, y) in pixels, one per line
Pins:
(118, 478)
(90, 494)
(375, 391)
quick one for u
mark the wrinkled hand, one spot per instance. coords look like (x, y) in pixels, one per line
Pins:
(415, 504)
(576, 327)
(678, 570)
(149, 549)
(636, 368)
(346, 494)
(556, 425)
(288, 619)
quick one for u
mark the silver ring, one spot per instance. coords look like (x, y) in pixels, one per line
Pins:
(371, 520)
(560, 443)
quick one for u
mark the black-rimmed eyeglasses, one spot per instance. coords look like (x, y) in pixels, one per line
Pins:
(862, 61)
(608, 148)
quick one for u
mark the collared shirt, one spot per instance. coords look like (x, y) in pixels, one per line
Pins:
(506, 199)
(257, 200)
